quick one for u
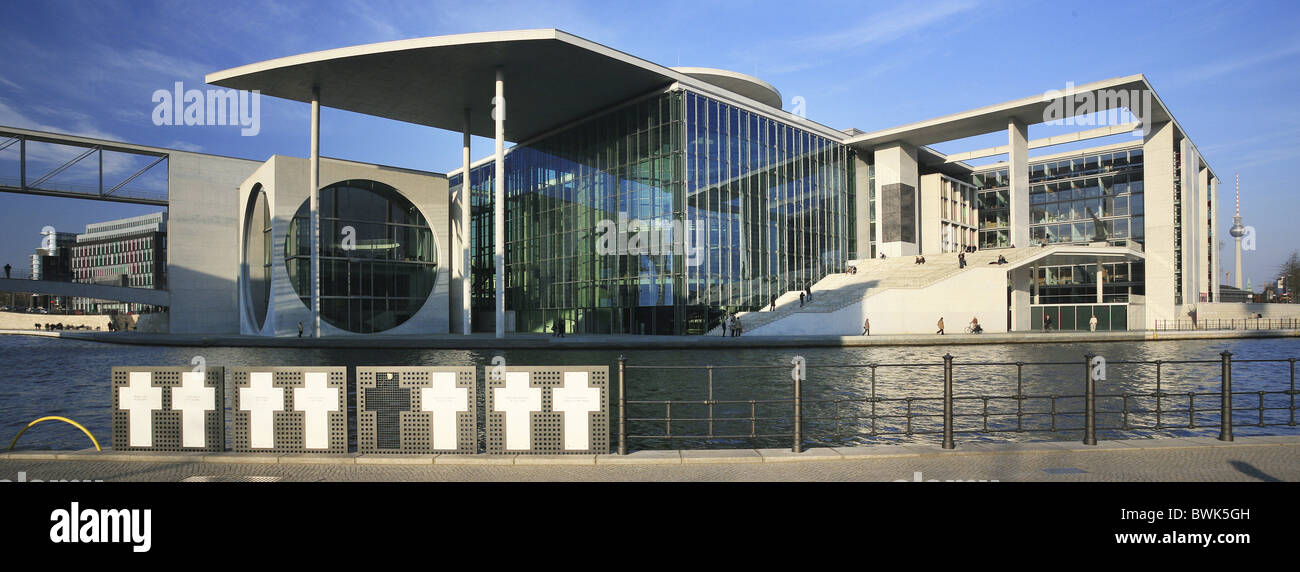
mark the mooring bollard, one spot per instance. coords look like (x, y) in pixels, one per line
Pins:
(947, 403)
(1090, 403)
(1225, 413)
(622, 406)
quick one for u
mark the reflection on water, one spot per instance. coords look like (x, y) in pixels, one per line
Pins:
(71, 378)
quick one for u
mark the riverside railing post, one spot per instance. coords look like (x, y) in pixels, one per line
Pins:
(1090, 403)
(622, 406)
(1225, 414)
(798, 409)
(947, 403)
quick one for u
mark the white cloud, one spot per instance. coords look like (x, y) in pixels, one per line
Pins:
(1229, 66)
(885, 27)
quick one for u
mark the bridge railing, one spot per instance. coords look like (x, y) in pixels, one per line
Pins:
(753, 409)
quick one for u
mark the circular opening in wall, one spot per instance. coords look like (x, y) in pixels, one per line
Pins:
(257, 255)
(378, 259)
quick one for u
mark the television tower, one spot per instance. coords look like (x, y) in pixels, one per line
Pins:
(1237, 232)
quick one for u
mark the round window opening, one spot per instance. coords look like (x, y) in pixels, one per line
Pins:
(378, 262)
(257, 255)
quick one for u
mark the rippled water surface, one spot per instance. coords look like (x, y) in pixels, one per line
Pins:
(71, 378)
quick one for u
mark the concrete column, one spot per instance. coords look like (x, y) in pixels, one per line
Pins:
(1101, 278)
(897, 186)
(1193, 222)
(314, 183)
(499, 205)
(1217, 253)
(1020, 315)
(1158, 173)
(1018, 182)
(929, 218)
(466, 200)
(1206, 275)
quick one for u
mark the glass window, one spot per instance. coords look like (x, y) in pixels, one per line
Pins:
(389, 255)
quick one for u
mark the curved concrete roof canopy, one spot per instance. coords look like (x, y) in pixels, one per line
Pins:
(744, 84)
(551, 78)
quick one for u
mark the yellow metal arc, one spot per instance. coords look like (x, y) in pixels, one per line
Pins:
(55, 418)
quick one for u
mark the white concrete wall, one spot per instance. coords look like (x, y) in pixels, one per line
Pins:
(927, 214)
(1239, 311)
(977, 292)
(202, 237)
(286, 182)
(1193, 199)
(1158, 185)
(895, 164)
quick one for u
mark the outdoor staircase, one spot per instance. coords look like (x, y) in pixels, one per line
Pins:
(836, 291)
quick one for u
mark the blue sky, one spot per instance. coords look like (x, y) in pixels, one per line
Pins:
(1228, 70)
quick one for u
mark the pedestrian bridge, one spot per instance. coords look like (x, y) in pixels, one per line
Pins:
(98, 291)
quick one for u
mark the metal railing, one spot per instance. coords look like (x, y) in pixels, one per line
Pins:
(959, 414)
(1229, 324)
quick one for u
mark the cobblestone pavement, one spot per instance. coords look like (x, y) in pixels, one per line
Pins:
(1182, 459)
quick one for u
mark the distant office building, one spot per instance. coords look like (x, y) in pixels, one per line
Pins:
(52, 261)
(130, 252)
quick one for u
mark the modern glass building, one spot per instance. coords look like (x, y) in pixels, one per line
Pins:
(1084, 197)
(718, 209)
(644, 199)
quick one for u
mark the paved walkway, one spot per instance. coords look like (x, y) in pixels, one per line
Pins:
(1181, 459)
(621, 341)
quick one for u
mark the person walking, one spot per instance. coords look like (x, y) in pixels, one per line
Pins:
(1047, 322)
(737, 328)
(773, 303)
(725, 319)
(808, 289)
(1092, 323)
(866, 326)
(300, 329)
(940, 332)
(961, 260)
(559, 327)
(7, 269)
(801, 299)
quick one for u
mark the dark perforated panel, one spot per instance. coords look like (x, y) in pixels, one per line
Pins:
(546, 424)
(392, 416)
(289, 425)
(167, 423)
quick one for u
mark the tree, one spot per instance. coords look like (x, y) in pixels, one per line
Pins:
(1290, 273)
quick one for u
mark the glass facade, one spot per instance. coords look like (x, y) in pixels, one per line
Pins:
(378, 261)
(1088, 199)
(994, 194)
(871, 206)
(957, 215)
(660, 216)
(1079, 317)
